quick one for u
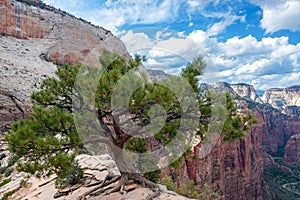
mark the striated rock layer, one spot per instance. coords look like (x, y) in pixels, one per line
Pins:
(74, 38)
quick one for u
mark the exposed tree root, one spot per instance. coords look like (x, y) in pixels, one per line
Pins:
(106, 186)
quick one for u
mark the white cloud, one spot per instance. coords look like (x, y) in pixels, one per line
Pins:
(113, 14)
(199, 4)
(135, 41)
(280, 14)
(219, 27)
(269, 62)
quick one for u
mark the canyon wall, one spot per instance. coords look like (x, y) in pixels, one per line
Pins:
(235, 170)
(292, 151)
(34, 33)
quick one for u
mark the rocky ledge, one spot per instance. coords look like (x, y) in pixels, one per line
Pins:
(100, 166)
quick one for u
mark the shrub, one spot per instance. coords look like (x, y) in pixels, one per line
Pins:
(3, 170)
(8, 194)
(13, 160)
(73, 177)
(8, 172)
(5, 181)
(2, 156)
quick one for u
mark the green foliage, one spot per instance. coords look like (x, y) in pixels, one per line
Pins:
(12, 160)
(3, 169)
(23, 183)
(2, 156)
(5, 181)
(153, 176)
(8, 194)
(137, 145)
(73, 177)
(46, 138)
(8, 172)
(236, 124)
(282, 184)
(3, 129)
(193, 70)
(207, 194)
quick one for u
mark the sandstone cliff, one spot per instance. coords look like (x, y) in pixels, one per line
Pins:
(233, 170)
(246, 91)
(74, 38)
(44, 33)
(281, 98)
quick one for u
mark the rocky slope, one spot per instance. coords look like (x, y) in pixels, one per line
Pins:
(44, 33)
(22, 71)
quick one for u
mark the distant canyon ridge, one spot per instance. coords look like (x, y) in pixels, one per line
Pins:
(35, 38)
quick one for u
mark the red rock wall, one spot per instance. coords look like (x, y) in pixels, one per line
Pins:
(276, 128)
(292, 151)
(18, 21)
(233, 170)
(73, 38)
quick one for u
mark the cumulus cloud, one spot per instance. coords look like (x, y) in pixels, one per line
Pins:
(280, 14)
(113, 14)
(252, 61)
(269, 62)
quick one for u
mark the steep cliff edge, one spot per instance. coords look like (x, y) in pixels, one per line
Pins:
(233, 170)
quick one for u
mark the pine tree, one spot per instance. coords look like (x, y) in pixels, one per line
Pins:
(77, 100)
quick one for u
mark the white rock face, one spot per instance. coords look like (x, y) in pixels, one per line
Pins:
(247, 91)
(240, 89)
(282, 98)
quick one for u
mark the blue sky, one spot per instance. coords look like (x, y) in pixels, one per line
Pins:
(251, 41)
